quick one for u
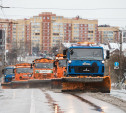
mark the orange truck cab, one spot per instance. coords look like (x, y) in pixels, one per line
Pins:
(43, 68)
(23, 71)
(60, 65)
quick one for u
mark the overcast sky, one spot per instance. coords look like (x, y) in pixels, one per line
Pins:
(112, 12)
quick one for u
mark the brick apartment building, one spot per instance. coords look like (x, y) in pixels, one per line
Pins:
(108, 34)
(45, 31)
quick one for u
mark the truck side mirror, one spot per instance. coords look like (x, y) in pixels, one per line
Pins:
(107, 54)
(54, 65)
(71, 51)
(64, 57)
(2, 71)
(64, 52)
(13, 70)
(31, 66)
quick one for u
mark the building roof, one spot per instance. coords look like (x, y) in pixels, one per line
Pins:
(110, 46)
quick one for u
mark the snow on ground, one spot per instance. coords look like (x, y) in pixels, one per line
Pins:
(121, 94)
(116, 97)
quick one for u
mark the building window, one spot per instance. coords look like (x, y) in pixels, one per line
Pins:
(124, 34)
(47, 17)
(53, 17)
(37, 33)
(90, 31)
(55, 33)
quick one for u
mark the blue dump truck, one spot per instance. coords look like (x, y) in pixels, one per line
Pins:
(85, 69)
(8, 73)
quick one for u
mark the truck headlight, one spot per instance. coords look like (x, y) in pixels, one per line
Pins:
(30, 75)
(69, 61)
(103, 62)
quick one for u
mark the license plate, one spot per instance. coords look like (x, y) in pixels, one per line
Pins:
(24, 75)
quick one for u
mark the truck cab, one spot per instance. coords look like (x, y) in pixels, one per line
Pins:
(23, 71)
(9, 74)
(85, 69)
(85, 60)
(60, 65)
(43, 68)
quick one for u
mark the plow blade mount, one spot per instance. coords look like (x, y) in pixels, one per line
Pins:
(91, 84)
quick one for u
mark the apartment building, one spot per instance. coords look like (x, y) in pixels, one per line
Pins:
(108, 34)
(2, 44)
(73, 30)
(47, 30)
(6, 26)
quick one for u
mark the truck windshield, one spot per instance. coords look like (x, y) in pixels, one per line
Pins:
(44, 65)
(9, 71)
(86, 54)
(24, 70)
(62, 63)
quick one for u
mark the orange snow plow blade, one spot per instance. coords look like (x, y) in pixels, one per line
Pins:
(91, 84)
(19, 84)
(38, 83)
(35, 83)
(6, 85)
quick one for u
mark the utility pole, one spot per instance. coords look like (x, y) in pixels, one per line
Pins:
(120, 60)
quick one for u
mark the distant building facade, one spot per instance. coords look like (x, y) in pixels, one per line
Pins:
(2, 45)
(108, 33)
(43, 32)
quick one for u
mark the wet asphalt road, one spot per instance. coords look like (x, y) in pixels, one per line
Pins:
(48, 101)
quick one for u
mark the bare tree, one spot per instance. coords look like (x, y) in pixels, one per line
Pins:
(115, 73)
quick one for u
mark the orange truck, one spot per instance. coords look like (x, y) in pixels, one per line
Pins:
(60, 66)
(23, 72)
(43, 68)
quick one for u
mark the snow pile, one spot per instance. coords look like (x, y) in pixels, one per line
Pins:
(121, 94)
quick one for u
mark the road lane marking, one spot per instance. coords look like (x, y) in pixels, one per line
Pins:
(32, 108)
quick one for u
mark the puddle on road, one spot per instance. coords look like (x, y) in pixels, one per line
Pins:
(97, 108)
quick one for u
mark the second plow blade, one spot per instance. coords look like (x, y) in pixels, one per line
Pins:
(36, 83)
(19, 84)
(6, 85)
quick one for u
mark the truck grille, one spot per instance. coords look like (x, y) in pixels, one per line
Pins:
(86, 69)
